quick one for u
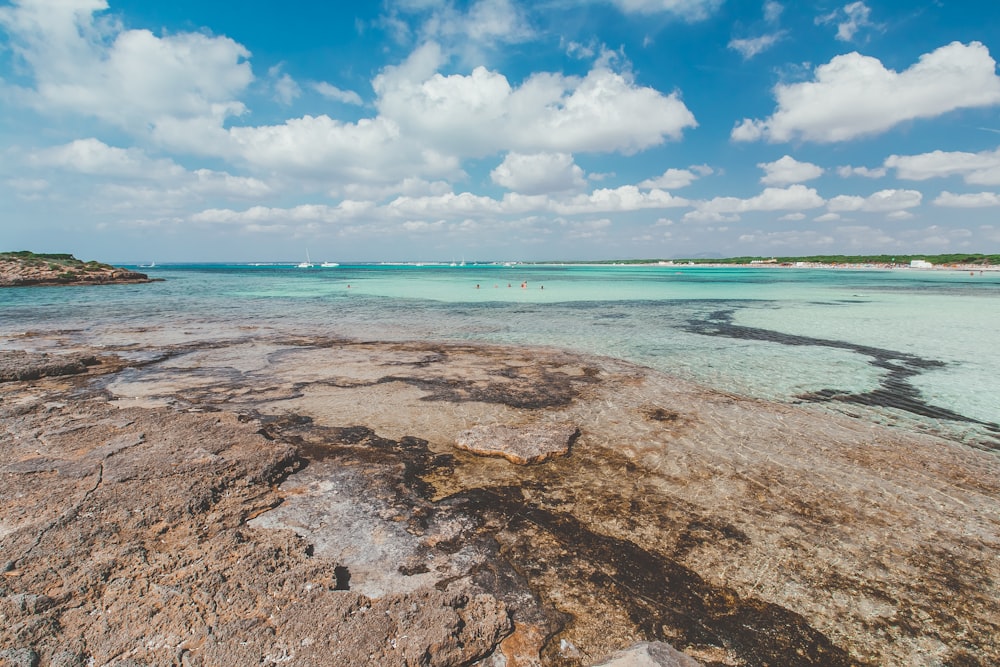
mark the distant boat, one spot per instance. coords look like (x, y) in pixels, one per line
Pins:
(329, 265)
(306, 264)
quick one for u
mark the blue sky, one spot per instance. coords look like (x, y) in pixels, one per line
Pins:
(422, 130)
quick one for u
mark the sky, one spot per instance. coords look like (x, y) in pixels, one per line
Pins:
(436, 130)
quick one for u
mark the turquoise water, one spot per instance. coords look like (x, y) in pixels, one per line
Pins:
(915, 349)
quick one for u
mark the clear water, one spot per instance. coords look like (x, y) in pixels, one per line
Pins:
(770, 333)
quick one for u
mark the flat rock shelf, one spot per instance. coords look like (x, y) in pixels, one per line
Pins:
(319, 501)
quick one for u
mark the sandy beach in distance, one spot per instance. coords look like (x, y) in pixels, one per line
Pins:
(306, 499)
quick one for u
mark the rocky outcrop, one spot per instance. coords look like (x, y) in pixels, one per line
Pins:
(523, 445)
(21, 365)
(301, 500)
(24, 269)
(125, 541)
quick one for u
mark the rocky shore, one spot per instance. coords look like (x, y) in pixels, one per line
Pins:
(23, 269)
(314, 501)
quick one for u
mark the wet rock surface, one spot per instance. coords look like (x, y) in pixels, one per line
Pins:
(22, 365)
(303, 501)
(531, 443)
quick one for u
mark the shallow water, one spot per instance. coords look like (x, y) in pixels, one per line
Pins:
(911, 348)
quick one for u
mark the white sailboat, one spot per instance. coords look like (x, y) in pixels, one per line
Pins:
(306, 264)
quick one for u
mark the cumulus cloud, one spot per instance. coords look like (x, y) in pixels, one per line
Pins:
(793, 198)
(547, 113)
(968, 200)
(369, 151)
(92, 156)
(130, 78)
(849, 20)
(788, 170)
(881, 201)
(616, 200)
(847, 171)
(975, 168)
(95, 158)
(673, 179)
(855, 95)
(448, 206)
(539, 173)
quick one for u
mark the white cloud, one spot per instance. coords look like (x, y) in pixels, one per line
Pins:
(975, 168)
(748, 130)
(369, 151)
(286, 90)
(793, 198)
(899, 215)
(617, 200)
(486, 22)
(446, 206)
(881, 201)
(793, 217)
(480, 113)
(130, 78)
(855, 95)
(827, 217)
(751, 46)
(847, 171)
(673, 179)
(331, 92)
(92, 156)
(162, 178)
(691, 10)
(539, 173)
(772, 11)
(969, 200)
(788, 170)
(28, 184)
(849, 19)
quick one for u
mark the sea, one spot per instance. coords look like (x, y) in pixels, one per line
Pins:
(913, 349)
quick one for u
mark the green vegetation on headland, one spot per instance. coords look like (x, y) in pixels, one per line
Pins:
(54, 260)
(937, 260)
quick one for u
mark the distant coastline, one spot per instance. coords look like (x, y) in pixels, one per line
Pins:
(952, 262)
(28, 269)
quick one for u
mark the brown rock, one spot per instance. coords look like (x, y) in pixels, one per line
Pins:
(21, 365)
(19, 270)
(531, 443)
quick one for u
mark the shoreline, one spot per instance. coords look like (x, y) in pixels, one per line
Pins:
(684, 503)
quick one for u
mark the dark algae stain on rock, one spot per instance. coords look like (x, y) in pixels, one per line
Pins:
(664, 599)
